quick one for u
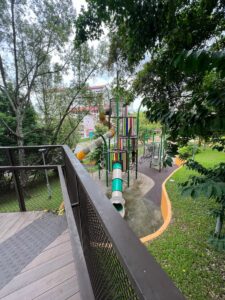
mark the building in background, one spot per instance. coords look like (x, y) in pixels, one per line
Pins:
(92, 112)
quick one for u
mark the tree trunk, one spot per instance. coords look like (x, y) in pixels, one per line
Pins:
(20, 143)
(19, 127)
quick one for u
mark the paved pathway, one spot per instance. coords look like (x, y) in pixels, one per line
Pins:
(154, 194)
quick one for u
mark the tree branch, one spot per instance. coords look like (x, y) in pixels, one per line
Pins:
(71, 102)
(25, 66)
(37, 65)
(5, 88)
(10, 129)
(15, 48)
(72, 131)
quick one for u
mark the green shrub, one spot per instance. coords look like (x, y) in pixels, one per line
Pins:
(187, 151)
(98, 152)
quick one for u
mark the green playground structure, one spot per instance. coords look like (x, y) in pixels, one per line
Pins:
(154, 148)
(120, 154)
(120, 149)
(154, 145)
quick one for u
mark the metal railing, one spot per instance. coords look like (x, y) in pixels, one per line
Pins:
(111, 261)
(34, 185)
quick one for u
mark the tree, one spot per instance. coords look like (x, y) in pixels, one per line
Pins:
(32, 45)
(145, 127)
(7, 122)
(31, 33)
(98, 154)
(86, 62)
(59, 104)
(182, 78)
(166, 29)
(33, 131)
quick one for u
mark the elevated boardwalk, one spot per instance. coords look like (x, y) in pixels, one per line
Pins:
(36, 259)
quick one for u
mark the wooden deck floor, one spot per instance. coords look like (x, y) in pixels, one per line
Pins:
(50, 275)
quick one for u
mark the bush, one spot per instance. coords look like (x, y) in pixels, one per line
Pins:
(187, 151)
(98, 152)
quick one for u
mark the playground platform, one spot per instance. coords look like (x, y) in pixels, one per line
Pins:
(36, 259)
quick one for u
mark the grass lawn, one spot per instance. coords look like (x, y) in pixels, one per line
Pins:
(195, 267)
(36, 198)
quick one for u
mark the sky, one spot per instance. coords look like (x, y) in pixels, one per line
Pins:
(104, 79)
(78, 3)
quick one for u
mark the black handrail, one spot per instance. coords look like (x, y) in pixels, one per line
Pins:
(30, 147)
(147, 278)
(33, 167)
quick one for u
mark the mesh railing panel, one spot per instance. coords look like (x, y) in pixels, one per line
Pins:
(109, 280)
(38, 194)
(31, 156)
(8, 196)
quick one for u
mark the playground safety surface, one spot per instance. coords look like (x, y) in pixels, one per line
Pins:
(143, 198)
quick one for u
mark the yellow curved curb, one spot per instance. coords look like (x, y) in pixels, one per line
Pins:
(166, 211)
(178, 161)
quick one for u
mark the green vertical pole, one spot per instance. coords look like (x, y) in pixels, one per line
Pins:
(138, 123)
(163, 145)
(136, 154)
(106, 169)
(106, 160)
(117, 120)
(161, 149)
(145, 134)
(128, 163)
(160, 153)
(99, 172)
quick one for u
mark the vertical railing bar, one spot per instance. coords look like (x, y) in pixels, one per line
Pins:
(18, 188)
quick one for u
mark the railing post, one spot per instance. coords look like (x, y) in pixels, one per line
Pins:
(19, 190)
(72, 185)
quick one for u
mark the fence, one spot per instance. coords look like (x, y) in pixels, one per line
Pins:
(111, 261)
(30, 187)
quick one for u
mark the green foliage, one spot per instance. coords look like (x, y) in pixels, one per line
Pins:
(188, 151)
(167, 161)
(97, 154)
(125, 17)
(219, 143)
(200, 61)
(27, 47)
(6, 117)
(182, 250)
(146, 127)
(38, 197)
(69, 133)
(33, 130)
(211, 184)
(184, 40)
(124, 94)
